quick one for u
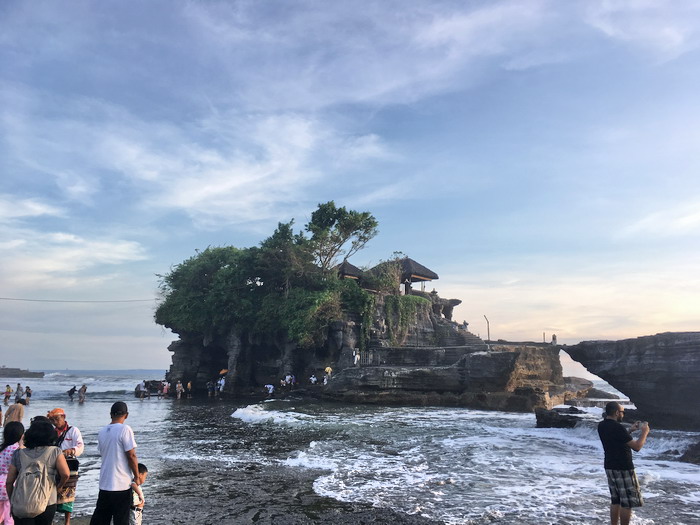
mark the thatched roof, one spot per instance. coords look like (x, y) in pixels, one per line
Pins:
(412, 271)
(345, 269)
(415, 271)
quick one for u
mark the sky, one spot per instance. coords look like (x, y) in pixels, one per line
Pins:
(540, 156)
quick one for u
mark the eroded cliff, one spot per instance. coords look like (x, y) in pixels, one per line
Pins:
(413, 355)
(659, 373)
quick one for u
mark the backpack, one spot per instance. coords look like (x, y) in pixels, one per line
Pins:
(33, 487)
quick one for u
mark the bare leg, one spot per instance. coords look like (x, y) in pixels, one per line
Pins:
(625, 516)
(614, 514)
(67, 518)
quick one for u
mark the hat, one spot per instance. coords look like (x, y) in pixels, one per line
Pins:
(56, 412)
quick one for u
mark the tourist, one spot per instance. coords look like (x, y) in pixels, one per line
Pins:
(72, 392)
(28, 394)
(137, 499)
(210, 388)
(81, 394)
(189, 389)
(220, 384)
(40, 450)
(270, 390)
(329, 371)
(313, 379)
(19, 393)
(8, 394)
(141, 388)
(117, 446)
(15, 412)
(179, 389)
(11, 441)
(618, 444)
(70, 440)
(166, 389)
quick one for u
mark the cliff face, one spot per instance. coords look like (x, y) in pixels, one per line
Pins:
(427, 361)
(659, 373)
(506, 377)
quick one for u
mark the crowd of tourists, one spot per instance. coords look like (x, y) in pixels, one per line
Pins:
(39, 471)
(21, 394)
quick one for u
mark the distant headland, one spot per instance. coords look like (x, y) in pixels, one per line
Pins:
(18, 372)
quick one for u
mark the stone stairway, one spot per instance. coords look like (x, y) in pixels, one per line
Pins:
(448, 335)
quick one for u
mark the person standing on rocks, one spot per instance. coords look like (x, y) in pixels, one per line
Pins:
(618, 445)
(117, 446)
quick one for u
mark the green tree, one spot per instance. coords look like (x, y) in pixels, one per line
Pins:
(337, 232)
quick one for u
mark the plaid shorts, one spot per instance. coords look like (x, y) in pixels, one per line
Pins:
(624, 488)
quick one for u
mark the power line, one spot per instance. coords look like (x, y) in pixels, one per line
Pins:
(67, 301)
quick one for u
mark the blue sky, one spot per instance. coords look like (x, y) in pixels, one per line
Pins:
(540, 156)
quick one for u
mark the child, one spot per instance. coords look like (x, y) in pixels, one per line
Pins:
(137, 501)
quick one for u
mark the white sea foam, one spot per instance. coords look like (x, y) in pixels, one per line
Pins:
(256, 414)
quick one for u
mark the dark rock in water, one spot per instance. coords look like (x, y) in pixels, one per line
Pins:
(692, 455)
(569, 410)
(555, 419)
(595, 393)
(659, 373)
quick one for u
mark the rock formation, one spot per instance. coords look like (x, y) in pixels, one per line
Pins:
(503, 377)
(428, 361)
(562, 418)
(659, 373)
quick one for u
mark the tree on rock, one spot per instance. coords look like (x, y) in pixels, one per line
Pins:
(337, 232)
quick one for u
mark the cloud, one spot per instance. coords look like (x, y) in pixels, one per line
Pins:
(680, 221)
(12, 208)
(50, 261)
(666, 29)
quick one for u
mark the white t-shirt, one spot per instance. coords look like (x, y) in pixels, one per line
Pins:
(113, 442)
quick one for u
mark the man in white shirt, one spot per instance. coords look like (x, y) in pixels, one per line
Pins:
(117, 446)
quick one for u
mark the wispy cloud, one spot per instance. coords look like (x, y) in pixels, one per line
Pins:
(13, 208)
(58, 260)
(666, 29)
(683, 219)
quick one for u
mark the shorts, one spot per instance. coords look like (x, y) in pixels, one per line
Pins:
(64, 507)
(135, 516)
(624, 488)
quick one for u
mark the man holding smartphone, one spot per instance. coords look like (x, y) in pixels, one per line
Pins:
(618, 445)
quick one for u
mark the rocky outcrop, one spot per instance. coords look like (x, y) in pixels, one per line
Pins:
(692, 455)
(505, 377)
(557, 418)
(427, 361)
(659, 374)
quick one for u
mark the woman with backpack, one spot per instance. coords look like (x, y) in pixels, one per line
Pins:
(31, 479)
(11, 437)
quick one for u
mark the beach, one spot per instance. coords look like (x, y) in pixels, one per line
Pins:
(297, 461)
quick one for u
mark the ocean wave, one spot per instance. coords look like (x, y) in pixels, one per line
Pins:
(257, 414)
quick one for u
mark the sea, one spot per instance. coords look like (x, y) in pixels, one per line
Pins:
(294, 460)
